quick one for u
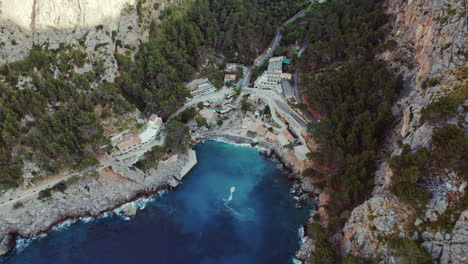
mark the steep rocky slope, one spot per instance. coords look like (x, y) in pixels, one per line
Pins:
(101, 28)
(430, 48)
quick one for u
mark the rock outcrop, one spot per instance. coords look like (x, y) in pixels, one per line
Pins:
(6, 243)
(449, 247)
(100, 28)
(376, 218)
(129, 210)
(430, 41)
(90, 196)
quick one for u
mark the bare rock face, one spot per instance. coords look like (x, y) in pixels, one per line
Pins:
(90, 196)
(305, 249)
(380, 216)
(129, 210)
(449, 247)
(430, 37)
(6, 243)
(431, 44)
(100, 28)
(33, 15)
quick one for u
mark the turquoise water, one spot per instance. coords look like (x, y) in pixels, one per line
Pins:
(217, 110)
(201, 221)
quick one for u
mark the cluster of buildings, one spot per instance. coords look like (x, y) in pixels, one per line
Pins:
(230, 77)
(289, 136)
(200, 87)
(126, 143)
(212, 110)
(274, 78)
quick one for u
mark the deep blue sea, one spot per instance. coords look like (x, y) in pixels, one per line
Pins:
(195, 223)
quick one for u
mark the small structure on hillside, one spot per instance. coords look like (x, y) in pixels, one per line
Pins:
(246, 122)
(258, 128)
(128, 144)
(208, 114)
(231, 67)
(229, 78)
(285, 137)
(152, 129)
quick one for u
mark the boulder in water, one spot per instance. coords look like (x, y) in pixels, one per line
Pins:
(129, 210)
(7, 242)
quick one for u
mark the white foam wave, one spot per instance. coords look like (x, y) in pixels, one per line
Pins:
(231, 142)
(23, 242)
(232, 190)
(296, 261)
(301, 234)
(64, 225)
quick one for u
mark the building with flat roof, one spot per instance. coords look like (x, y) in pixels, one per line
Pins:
(129, 143)
(200, 87)
(272, 78)
(285, 137)
(258, 128)
(270, 136)
(208, 114)
(275, 66)
(287, 88)
(229, 78)
(231, 67)
(246, 122)
(152, 129)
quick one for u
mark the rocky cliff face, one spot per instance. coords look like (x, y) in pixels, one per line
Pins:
(430, 41)
(101, 28)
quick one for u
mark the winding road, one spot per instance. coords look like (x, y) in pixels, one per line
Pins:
(276, 103)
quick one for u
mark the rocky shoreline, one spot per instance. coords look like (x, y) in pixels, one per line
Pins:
(94, 196)
(89, 197)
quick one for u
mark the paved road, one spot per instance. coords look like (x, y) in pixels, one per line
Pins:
(258, 62)
(296, 86)
(129, 159)
(133, 157)
(19, 194)
(279, 104)
(218, 95)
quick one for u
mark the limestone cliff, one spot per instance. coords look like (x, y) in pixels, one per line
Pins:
(101, 28)
(430, 42)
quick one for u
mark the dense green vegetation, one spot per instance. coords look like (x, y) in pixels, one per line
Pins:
(323, 253)
(441, 109)
(177, 136)
(408, 251)
(151, 158)
(408, 169)
(344, 82)
(450, 150)
(50, 122)
(192, 33)
(350, 259)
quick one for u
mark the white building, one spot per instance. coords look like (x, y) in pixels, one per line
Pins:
(231, 67)
(152, 129)
(271, 79)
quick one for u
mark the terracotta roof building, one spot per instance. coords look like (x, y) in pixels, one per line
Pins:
(285, 137)
(128, 144)
(229, 78)
(258, 128)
